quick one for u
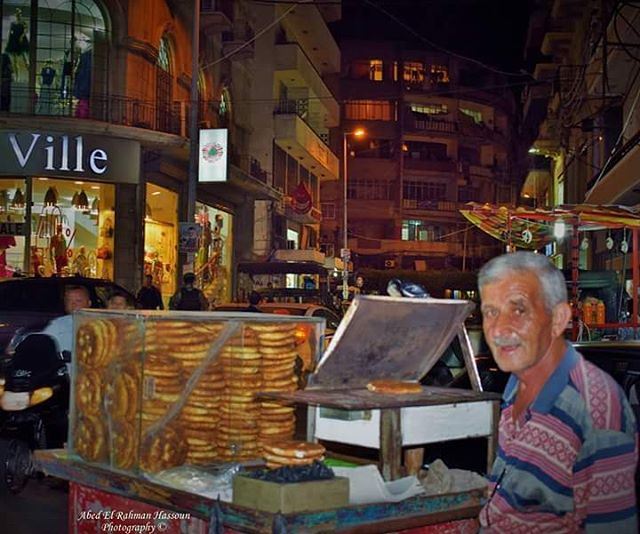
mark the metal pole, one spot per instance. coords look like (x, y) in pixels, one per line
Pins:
(345, 239)
(193, 122)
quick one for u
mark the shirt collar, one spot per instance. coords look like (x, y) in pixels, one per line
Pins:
(552, 388)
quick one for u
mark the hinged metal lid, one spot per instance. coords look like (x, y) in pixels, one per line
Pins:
(389, 338)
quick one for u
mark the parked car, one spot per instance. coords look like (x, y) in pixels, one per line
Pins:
(32, 302)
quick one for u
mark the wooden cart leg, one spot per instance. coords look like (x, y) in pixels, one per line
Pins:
(390, 443)
(413, 460)
(492, 440)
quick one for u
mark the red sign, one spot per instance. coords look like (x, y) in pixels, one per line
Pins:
(301, 199)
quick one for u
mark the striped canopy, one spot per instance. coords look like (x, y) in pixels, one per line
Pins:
(532, 228)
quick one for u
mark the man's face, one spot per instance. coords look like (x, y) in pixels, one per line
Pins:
(516, 325)
(76, 299)
(359, 281)
(147, 281)
(118, 303)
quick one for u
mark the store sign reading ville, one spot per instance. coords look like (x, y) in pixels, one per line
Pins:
(97, 160)
(37, 153)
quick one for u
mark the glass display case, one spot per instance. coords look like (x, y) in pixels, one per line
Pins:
(155, 390)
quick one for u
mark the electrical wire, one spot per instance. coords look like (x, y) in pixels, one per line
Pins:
(261, 32)
(442, 48)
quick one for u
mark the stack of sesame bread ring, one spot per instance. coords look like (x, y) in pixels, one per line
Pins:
(150, 393)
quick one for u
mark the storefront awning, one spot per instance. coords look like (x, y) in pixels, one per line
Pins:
(531, 228)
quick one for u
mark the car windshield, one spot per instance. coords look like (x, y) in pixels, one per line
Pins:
(31, 297)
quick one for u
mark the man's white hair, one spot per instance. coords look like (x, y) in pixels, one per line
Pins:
(552, 282)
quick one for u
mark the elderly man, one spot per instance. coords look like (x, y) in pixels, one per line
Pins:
(567, 436)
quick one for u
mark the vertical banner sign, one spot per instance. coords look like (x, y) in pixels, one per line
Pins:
(212, 155)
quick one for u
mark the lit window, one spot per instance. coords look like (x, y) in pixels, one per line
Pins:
(375, 70)
(413, 72)
(475, 115)
(395, 71)
(439, 74)
(375, 110)
(430, 109)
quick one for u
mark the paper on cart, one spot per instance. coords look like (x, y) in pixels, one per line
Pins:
(366, 485)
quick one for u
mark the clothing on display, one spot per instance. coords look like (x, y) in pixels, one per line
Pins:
(47, 96)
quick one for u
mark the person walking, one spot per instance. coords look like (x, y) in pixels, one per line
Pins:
(567, 438)
(189, 297)
(149, 297)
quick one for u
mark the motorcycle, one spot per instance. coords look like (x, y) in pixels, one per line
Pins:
(34, 403)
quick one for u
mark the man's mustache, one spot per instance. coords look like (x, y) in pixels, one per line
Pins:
(506, 341)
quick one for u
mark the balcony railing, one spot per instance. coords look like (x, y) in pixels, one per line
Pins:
(431, 205)
(300, 108)
(172, 117)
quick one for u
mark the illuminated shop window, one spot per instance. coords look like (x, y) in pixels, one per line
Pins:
(12, 209)
(72, 228)
(160, 238)
(213, 267)
(62, 70)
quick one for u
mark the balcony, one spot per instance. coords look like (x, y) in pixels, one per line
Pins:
(432, 125)
(216, 15)
(419, 164)
(442, 206)
(294, 68)
(121, 110)
(296, 137)
(395, 246)
(308, 28)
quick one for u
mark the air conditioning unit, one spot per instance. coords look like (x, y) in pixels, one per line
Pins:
(390, 264)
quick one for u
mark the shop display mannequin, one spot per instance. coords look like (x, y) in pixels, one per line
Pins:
(82, 81)
(17, 50)
(58, 248)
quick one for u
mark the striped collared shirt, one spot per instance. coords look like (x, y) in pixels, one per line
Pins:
(568, 465)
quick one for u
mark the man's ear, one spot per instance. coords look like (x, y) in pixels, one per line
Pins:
(560, 319)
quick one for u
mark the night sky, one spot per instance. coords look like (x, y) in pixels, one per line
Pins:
(493, 31)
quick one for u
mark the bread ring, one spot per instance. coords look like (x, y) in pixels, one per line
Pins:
(89, 389)
(123, 393)
(295, 449)
(394, 387)
(124, 445)
(165, 449)
(271, 327)
(89, 438)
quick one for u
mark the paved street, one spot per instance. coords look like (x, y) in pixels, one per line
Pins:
(40, 509)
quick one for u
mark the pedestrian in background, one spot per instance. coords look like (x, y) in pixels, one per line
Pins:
(567, 435)
(149, 297)
(189, 297)
(254, 300)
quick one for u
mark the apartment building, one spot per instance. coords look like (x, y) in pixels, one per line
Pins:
(438, 134)
(293, 109)
(583, 113)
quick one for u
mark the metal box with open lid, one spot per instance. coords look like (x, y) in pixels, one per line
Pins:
(399, 339)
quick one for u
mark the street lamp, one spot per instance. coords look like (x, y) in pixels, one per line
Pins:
(345, 253)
